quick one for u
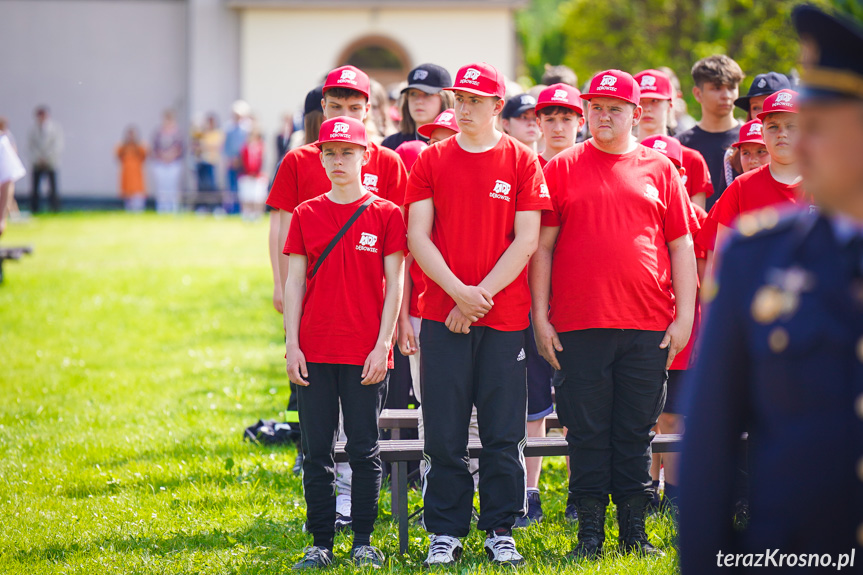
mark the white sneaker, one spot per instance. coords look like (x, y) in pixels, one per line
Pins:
(443, 550)
(501, 550)
(343, 504)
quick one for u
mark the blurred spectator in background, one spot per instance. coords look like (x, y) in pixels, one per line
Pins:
(11, 205)
(208, 145)
(378, 123)
(167, 163)
(252, 183)
(559, 74)
(46, 144)
(11, 170)
(235, 139)
(131, 153)
(283, 138)
(680, 120)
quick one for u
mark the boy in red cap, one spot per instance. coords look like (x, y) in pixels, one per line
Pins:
(560, 118)
(443, 127)
(339, 328)
(475, 203)
(775, 184)
(301, 177)
(613, 301)
(657, 100)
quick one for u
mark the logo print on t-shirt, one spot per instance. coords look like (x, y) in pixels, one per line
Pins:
(348, 76)
(648, 82)
(421, 74)
(685, 179)
(543, 191)
(370, 181)
(367, 243)
(501, 190)
(651, 192)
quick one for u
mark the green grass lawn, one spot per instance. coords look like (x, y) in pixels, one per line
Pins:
(135, 350)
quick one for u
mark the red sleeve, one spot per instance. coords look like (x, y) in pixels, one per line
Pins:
(699, 177)
(677, 211)
(396, 233)
(706, 238)
(418, 186)
(294, 244)
(284, 194)
(532, 193)
(551, 218)
(397, 178)
(727, 207)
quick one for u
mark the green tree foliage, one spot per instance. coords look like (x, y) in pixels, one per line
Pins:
(632, 35)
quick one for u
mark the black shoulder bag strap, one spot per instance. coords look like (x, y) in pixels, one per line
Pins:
(342, 232)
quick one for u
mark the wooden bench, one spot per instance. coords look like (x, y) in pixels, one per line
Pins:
(394, 420)
(399, 452)
(12, 254)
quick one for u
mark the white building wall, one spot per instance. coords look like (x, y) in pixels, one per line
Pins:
(99, 66)
(285, 53)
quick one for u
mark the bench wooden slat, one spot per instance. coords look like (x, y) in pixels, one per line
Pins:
(409, 418)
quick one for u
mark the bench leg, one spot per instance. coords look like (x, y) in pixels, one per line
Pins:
(403, 508)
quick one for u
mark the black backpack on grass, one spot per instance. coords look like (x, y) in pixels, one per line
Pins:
(272, 432)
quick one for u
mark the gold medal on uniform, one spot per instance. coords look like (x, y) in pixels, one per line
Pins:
(780, 297)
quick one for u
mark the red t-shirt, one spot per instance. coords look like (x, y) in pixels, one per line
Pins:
(616, 213)
(684, 357)
(754, 190)
(697, 176)
(418, 280)
(343, 303)
(542, 161)
(475, 199)
(301, 177)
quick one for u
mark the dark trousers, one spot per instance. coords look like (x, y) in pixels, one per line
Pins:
(485, 368)
(206, 177)
(330, 384)
(51, 174)
(610, 393)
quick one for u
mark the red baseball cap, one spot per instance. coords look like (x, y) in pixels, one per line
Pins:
(481, 79)
(614, 84)
(445, 119)
(668, 146)
(410, 151)
(560, 95)
(750, 133)
(781, 101)
(343, 129)
(654, 84)
(348, 77)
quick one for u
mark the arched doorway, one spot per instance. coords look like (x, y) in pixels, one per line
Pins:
(381, 58)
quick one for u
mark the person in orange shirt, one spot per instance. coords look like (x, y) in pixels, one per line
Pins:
(132, 153)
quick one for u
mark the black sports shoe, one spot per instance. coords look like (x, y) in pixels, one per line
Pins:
(314, 558)
(570, 513)
(534, 511)
(367, 556)
(298, 463)
(343, 522)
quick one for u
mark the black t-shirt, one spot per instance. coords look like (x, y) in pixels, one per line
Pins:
(712, 146)
(395, 140)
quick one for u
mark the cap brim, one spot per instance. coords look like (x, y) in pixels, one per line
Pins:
(427, 130)
(363, 92)
(423, 88)
(738, 144)
(320, 144)
(589, 96)
(743, 102)
(519, 111)
(572, 107)
(763, 115)
(471, 91)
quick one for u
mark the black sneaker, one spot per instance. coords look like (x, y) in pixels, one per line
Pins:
(534, 511)
(298, 463)
(314, 558)
(367, 556)
(343, 522)
(570, 513)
